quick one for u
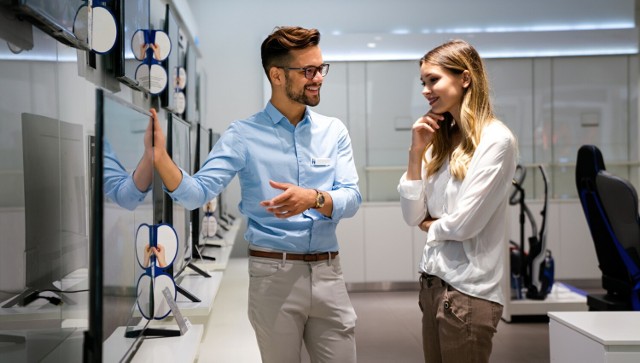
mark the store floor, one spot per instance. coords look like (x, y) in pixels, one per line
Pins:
(388, 328)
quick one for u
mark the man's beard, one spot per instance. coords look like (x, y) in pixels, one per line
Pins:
(301, 97)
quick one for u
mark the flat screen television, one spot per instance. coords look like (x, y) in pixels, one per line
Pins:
(191, 113)
(133, 16)
(201, 93)
(205, 138)
(224, 218)
(55, 18)
(172, 63)
(56, 237)
(203, 144)
(114, 271)
(179, 148)
(196, 214)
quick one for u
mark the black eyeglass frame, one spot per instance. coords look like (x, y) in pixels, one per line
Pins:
(310, 71)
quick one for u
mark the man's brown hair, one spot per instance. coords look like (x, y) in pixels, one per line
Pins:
(275, 49)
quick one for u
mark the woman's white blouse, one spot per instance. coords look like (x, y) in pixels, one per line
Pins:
(467, 244)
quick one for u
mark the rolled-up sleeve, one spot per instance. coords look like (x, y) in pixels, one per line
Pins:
(128, 195)
(222, 164)
(118, 184)
(189, 193)
(412, 204)
(345, 192)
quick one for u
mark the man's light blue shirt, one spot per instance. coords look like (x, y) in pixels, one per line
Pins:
(118, 184)
(315, 154)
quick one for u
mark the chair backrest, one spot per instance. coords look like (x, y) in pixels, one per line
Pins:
(615, 278)
(620, 203)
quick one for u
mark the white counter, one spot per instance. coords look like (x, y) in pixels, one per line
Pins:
(595, 336)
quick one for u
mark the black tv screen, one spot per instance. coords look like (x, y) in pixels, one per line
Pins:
(133, 16)
(54, 17)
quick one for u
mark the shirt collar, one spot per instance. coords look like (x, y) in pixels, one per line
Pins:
(277, 116)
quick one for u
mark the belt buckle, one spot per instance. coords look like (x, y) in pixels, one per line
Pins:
(310, 257)
(428, 279)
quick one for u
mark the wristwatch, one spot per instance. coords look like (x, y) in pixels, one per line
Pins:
(319, 199)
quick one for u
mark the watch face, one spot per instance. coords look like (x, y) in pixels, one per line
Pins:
(319, 199)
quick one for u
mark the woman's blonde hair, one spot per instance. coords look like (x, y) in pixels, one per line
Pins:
(457, 56)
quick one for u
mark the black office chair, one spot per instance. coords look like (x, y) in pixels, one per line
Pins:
(610, 205)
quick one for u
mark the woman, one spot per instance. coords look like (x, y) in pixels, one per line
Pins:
(461, 163)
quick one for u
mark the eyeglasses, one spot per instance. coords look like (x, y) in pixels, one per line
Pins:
(310, 72)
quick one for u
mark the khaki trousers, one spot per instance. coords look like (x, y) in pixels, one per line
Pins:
(291, 302)
(456, 328)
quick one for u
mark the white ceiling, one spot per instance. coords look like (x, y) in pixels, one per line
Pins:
(368, 30)
(405, 29)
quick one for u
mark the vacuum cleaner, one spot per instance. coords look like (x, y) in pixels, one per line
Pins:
(532, 268)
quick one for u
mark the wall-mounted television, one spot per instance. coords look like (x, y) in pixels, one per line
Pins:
(55, 18)
(133, 16)
(56, 237)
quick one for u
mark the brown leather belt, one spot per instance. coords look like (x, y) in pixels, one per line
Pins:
(308, 257)
(430, 280)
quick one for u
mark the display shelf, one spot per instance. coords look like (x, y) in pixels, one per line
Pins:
(167, 349)
(221, 254)
(561, 298)
(205, 288)
(40, 313)
(41, 345)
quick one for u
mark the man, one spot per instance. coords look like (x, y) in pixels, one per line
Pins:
(298, 180)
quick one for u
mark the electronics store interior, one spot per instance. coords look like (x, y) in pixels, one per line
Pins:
(81, 279)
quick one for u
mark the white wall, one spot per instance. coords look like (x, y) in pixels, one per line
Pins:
(378, 246)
